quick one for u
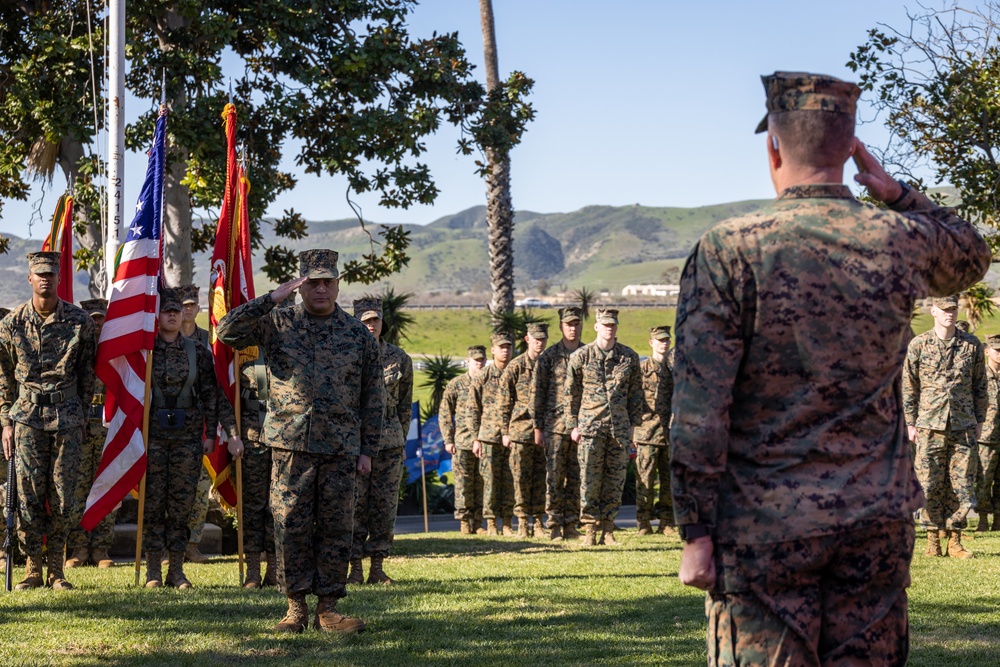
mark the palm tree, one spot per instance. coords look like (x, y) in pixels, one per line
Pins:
(516, 322)
(395, 320)
(585, 298)
(440, 370)
(978, 303)
(499, 208)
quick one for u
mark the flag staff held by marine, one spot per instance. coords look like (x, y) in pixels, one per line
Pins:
(124, 352)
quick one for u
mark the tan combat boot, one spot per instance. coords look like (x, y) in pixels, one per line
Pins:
(570, 532)
(590, 537)
(477, 524)
(508, 526)
(194, 554)
(79, 558)
(175, 571)
(955, 548)
(608, 534)
(57, 580)
(154, 569)
(645, 528)
(3, 559)
(32, 574)
(464, 527)
(328, 620)
(101, 559)
(271, 573)
(253, 571)
(933, 543)
(539, 527)
(556, 533)
(357, 575)
(491, 527)
(522, 528)
(375, 573)
(297, 617)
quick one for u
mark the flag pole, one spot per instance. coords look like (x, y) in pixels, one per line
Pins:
(116, 138)
(142, 482)
(237, 409)
(423, 482)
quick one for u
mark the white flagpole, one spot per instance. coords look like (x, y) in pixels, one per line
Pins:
(116, 134)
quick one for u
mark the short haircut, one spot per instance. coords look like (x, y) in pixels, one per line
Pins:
(814, 138)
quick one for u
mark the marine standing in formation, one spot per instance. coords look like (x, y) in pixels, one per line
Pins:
(792, 480)
(527, 453)
(323, 424)
(484, 421)
(604, 405)
(247, 444)
(456, 431)
(84, 547)
(987, 480)
(184, 400)
(376, 496)
(562, 475)
(944, 400)
(47, 349)
(652, 442)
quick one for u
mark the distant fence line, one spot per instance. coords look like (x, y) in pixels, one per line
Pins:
(603, 304)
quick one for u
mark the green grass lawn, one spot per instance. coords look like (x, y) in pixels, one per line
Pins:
(461, 601)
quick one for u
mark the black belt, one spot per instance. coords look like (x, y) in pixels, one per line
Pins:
(53, 398)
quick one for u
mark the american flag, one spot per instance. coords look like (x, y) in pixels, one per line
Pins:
(126, 339)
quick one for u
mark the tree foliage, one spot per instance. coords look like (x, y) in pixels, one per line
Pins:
(516, 323)
(395, 319)
(936, 84)
(978, 303)
(585, 298)
(439, 371)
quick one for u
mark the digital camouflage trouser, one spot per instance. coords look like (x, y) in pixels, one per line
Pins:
(200, 503)
(312, 498)
(171, 479)
(498, 483)
(48, 464)
(603, 464)
(652, 464)
(527, 468)
(832, 600)
(562, 479)
(468, 486)
(258, 524)
(987, 480)
(376, 499)
(946, 467)
(103, 534)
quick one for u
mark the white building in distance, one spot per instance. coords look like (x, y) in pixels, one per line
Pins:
(651, 290)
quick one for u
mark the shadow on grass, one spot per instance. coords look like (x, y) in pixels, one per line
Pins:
(444, 547)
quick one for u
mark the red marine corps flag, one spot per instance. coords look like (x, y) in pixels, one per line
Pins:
(60, 239)
(232, 285)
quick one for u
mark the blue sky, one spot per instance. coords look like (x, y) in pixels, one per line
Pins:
(638, 101)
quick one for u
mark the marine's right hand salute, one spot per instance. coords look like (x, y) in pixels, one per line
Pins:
(283, 291)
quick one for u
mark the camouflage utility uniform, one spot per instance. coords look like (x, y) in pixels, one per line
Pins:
(787, 434)
(527, 460)
(652, 447)
(46, 383)
(484, 398)
(376, 495)
(987, 480)
(454, 419)
(325, 409)
(562, 478)
(604, 398)
(945, 396)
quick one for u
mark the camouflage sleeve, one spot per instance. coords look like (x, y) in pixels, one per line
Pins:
(636, 394)
(540, 381)
(709, 350)
(446, 414)
(85, 378)
(980, 388)
(208, 388)
(8, 385)
(404, 408)
(911, 384)
(372, 398)
(227, 415)
(474, 404)
(958, 255)
(668, 391)
(248, 324)
(508, 394)
(573, 390)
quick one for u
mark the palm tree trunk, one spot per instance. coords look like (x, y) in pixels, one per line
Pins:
(499, 209)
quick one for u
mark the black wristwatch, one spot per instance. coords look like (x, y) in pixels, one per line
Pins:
(693, 531)
(904, 189)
